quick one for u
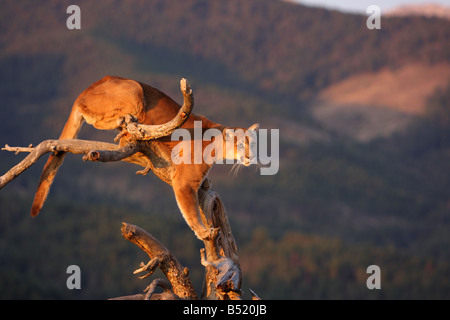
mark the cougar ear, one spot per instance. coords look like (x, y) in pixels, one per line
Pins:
(228, 134)
(254, 127)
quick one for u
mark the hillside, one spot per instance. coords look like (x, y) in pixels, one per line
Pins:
(364, 145)
(430, 10)
(369, 105)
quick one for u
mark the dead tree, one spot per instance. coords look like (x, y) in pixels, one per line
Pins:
(219, 256)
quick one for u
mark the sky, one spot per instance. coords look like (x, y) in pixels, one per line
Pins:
(360, 6)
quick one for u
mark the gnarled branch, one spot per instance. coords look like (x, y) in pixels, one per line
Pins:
(151, 132)
(219, 257)
(150, 292)
(71, 145)
(223, 272)
(160, 256)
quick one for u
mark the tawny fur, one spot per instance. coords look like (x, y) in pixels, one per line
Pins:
(111, 98)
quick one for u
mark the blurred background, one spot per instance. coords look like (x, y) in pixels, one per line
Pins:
(364, 119)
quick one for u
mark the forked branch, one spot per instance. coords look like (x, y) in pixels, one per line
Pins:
(219, 257)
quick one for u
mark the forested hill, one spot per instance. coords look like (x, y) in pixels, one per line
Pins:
(272, 45)
(364, 144)
(290, 49)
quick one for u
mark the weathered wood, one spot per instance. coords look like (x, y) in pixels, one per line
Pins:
(177, 275)
(150, 292)
(254, 295)
(117, 154)
(151, 132)
(223, 275)
(75, 146)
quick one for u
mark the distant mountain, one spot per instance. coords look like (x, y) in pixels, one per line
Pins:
(281, 52)
(429, 10)
(369, 105)
(286, 48)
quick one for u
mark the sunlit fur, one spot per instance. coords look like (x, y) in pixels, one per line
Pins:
(110, 99)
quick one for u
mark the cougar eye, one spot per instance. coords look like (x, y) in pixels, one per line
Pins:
(240, 146)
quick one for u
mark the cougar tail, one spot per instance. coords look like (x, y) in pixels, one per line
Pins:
(55, 160)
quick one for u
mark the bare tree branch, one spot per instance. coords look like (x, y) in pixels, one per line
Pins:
(177, 275)
(150, 294)
(117, 154)
(168, 293)
(223, 273)
(70, 145)
(254, 295)
(151, 132)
